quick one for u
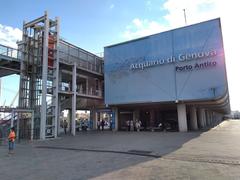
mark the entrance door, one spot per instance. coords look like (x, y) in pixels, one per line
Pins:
(124, 117)
(145, 118)
(170, 120)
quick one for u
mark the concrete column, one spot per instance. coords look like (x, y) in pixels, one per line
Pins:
(204, 118)
(74, 98)
(182, 117)
(115, 114)
(219, 118)
(201, 115)
(212, 118)
(93, 116)
(56, 81)
(207, 118)
(210, 123)
(69, 120)
(152, 117)
(193, 118)
(44, 79)
(59, 102)
(32, 125)
(59, 115)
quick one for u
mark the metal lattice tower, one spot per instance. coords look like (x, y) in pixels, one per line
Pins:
(39, 73)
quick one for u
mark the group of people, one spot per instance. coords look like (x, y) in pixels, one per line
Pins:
(101, 124)
(133, 125)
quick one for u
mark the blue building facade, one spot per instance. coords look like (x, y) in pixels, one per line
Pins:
(178, 75)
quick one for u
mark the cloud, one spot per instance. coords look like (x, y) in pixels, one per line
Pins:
(201, 10)
(137, 22)
(149, 5)
(140, 28)
(112, 6)
(198, 11)
(9, 35)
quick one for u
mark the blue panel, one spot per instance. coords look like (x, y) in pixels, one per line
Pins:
(182, 64)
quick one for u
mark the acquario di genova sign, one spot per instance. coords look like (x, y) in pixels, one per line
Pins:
(150, 62)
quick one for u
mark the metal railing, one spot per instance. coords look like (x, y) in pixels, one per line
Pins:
(81, 63)
(90, 62)
(10, 52)
(80, 91)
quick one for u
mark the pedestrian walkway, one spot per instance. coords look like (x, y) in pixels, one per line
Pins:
(214, 154)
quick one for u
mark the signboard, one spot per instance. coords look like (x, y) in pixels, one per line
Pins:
(182, 64)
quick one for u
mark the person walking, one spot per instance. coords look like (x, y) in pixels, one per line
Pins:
(137, 126)
(131, 125)
(11, 140)
(128, 125)
(65, 126)
(103, 124)
(98, 125)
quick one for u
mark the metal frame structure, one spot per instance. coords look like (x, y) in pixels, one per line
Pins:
(47, 66)
(39, 72)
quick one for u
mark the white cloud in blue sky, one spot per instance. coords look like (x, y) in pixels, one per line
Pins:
(9, 35)
(197, 11)
(149, 5)
(112, 6)
(142, 27)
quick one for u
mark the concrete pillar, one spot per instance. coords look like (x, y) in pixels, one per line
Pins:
(207, 118)
(193, 118)
(152, 117)
(201, 115)
(32, 125)
(220, 118)
(115, 115)
(56, 81)
(44, 79)
(74, 98)
(210, 118)
(59, 115)
(214, 118)
(59, 101)
(69, 120)
(93, 118)
(182, 117)
(204, 118)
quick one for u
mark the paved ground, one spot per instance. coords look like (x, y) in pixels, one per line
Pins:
(128, 155)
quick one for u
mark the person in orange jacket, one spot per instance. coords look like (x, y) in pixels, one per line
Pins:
(11, 140)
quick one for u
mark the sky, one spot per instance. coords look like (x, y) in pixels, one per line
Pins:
(94, 24)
